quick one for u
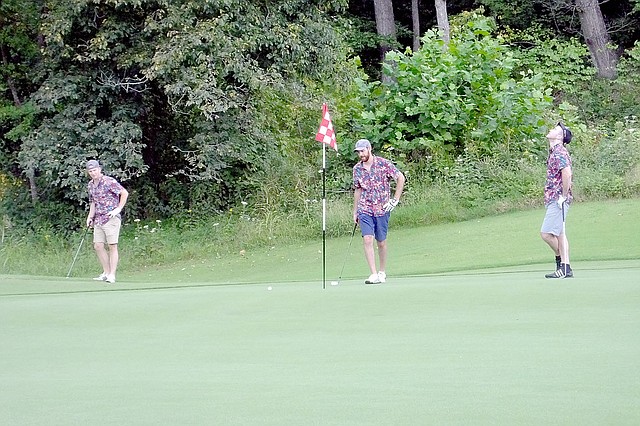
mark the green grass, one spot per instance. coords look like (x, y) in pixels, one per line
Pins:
(484, 347)
(597, 231)
(466, 331)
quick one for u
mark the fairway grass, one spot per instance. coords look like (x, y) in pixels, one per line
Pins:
(493, 346)
(467, 331)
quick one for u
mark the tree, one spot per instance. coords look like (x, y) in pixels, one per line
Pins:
(386, 27)
(415, 20)
(597, 38)
(443, 20)
(19, 53)
(183, 101)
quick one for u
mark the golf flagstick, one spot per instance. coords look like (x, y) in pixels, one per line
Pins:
(324, 216)
(327, 136)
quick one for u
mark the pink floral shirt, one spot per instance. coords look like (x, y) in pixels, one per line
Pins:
(375, 185)
(106, 196)
(558, 159)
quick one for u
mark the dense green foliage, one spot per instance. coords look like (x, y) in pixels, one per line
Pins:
(561, 17)
(176, 99)
(465, 97)
(606, 102)
(563, 64)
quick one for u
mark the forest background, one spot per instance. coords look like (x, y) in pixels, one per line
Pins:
(206, 111)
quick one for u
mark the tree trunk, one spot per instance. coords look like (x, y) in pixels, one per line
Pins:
(443, 20)
(597, 38)
(386, 28)
(12, 87)
(415, 19)
(31, 175)
(18, 103)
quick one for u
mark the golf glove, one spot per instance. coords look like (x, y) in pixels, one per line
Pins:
(390, 205)
(561, 200)
(113, 213)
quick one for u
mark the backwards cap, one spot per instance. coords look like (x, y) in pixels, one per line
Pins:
(566, 133)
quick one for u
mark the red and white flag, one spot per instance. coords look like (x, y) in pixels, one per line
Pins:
(325, 133)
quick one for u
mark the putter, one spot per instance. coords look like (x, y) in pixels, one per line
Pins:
(564, 243)
(355, 225)
(84, 235)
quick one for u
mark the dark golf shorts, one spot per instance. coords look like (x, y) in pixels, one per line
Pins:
(376, 226)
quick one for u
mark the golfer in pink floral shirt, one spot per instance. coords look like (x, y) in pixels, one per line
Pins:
(557, 198)
(372, 204)
(106, 200)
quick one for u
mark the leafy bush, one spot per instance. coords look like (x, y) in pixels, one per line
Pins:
(565, 65)
(607, 161)
(447, 99)
(629, 66)
(26, 217)
(610, 101)
(481, 185)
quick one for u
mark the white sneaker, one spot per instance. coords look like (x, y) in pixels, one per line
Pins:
(382, 276)
(373, 279)
(110, 279)
(101, 277)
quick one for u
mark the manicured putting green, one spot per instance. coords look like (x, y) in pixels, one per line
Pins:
(486, 347)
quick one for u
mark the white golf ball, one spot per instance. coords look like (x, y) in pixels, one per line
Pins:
(269, 288)
(334, 282)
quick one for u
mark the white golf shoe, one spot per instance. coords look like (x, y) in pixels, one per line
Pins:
(382, 276)
(101, 277)
(373, 279)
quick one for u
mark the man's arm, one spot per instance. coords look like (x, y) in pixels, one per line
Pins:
(124, 194)
(400, 180)
(566, 181)
(356, 199)
(393, 202)
(92, 213)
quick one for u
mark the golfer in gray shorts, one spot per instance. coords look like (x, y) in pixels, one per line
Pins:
(557, 198)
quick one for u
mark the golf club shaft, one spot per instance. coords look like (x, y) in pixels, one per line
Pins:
(84, 235)
(355, 225)
(564, 241)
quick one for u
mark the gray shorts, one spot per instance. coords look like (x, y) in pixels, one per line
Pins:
(552, 223)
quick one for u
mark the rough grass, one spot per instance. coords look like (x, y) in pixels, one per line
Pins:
(597, 230)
